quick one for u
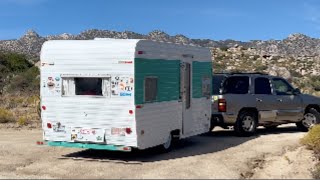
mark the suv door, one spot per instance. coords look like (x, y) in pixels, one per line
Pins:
(289, 105)
(265, 100)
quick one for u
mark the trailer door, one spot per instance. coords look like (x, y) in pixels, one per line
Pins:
(185, 81)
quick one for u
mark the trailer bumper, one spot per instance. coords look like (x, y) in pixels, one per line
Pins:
(89, 146)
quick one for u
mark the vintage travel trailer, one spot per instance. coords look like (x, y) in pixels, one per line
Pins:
(116, 94)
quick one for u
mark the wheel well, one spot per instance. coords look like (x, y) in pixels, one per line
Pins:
(175, 134)
(317, 107)
(251, 109)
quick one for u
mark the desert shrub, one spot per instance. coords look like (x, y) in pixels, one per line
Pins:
(316, 172)
(255, 57)
(27, 81)
(312, 139)
(224, 48)
(219, 67)
(14, 62)
(315, 81)
(6, 116)
(295, 73)
(261, 68)
(22, 121)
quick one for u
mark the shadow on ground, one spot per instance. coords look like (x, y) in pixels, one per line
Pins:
(215, 141)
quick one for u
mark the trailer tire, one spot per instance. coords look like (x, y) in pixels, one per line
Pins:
(167, 146)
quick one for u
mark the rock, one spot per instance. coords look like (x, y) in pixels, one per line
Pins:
(279, 71)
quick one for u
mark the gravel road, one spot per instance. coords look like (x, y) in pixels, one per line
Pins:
(270, 154)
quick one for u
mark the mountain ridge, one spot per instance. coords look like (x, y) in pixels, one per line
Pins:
(294, 45)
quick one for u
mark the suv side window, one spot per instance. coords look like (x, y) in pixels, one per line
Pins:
(236, 85)
(282, 87)
(262, 86)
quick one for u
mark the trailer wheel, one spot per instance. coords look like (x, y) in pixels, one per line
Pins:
(167, 146)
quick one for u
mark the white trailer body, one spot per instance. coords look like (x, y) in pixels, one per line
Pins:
(118, 94)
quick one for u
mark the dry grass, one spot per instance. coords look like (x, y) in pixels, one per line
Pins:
(6, 116)
(312, 141)
(22, 110)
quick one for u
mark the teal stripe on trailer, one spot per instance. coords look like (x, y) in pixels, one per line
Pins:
(88, 146)
(200, 70)
(168, 73)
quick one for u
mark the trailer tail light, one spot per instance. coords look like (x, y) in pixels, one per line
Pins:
(49, 125)
(130, 112)
(128, 130)
(126, 148)
(40, 143)
(222, 105)
(121, 131)
(44, 108)
(140, 52)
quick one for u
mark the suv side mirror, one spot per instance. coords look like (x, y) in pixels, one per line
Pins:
(296, 91)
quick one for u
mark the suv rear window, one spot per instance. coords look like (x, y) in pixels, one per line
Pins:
(217, 81)
(236, 85)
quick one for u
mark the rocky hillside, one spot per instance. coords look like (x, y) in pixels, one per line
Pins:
(296, 58)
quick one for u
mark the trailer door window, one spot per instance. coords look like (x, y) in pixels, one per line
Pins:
(150, 89)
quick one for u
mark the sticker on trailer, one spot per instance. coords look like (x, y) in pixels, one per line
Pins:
(122, 86)
(87, 135)
(51, 85)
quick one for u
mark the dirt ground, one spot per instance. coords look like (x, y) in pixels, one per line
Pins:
(268, 155)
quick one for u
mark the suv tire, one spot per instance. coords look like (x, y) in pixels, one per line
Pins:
(311, 117)
(246, 124)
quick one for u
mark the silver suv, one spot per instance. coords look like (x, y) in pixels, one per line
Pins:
(248, 100)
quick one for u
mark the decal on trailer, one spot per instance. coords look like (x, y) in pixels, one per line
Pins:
(51, 85)
(122, 86)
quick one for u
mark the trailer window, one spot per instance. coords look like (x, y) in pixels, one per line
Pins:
(86, 87)
(150, 89)
(206, 86)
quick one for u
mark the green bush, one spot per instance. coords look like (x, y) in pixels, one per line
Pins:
(27, 81)
(14, 62)
(6, 116)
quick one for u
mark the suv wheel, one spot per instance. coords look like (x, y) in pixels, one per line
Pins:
(311, 118)
(246, 124)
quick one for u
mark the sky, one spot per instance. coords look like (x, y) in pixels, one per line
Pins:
(242, 20)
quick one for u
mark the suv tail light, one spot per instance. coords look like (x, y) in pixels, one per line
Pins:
(222, 105)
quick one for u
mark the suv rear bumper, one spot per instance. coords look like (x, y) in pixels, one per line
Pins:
(221, 119)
